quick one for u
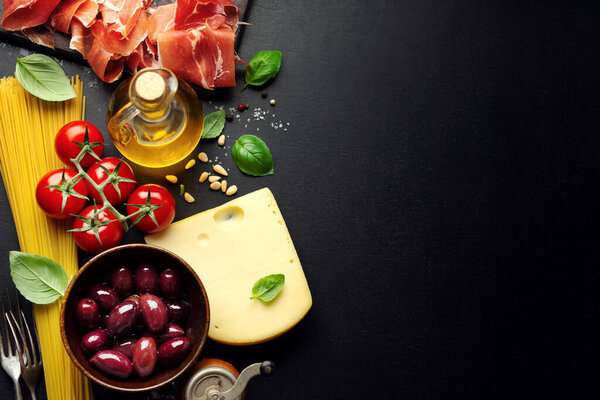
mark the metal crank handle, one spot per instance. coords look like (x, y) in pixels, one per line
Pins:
(264, 368)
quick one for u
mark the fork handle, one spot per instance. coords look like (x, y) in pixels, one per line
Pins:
(18, 394)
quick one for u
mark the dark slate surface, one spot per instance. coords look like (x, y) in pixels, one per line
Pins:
(440, 179)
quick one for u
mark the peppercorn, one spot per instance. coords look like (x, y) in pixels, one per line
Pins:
(246, 106)
(241, 107)
(229, 117)
(264, 94)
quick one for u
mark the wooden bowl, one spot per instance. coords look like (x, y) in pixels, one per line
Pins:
(97, 270)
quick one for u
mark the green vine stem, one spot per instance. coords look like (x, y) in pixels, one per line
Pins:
(87, 148)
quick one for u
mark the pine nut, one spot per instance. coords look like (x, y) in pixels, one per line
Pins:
(223, 186)
(171, 178)
(203, 177)
(231, 191)
(203, 157)
(213, 178)
(221, 140)
(188, 197)
(190, 164)
(215, 185)
(220, 170)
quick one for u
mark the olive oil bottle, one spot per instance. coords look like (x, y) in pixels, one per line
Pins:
(155, 119)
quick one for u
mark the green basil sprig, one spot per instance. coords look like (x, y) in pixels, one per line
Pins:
(267, 288)
(252, 156)
(213, 124)
(39, 279)
(263, 66)
(44, 78)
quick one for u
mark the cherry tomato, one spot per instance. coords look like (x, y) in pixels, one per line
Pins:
(110, 234)
(58, 196)
(72, 133)
(98, 175)
(161, 204)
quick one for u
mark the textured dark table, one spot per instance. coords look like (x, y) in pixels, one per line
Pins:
(440, 179)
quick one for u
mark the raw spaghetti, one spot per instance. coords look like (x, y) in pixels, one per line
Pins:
(27, 129)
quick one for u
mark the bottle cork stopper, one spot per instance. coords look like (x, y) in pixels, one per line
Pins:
(150, 86)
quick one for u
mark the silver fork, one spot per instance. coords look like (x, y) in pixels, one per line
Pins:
(10, 359)
(31, 360)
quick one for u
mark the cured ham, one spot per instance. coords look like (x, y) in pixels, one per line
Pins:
(105, 64)
(193, 38)
(21, 14)
(111, 38)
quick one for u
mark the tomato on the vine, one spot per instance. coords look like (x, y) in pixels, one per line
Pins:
(59, 195)
(157, 208)
(122, 180)
(95, 233)
(71, 138)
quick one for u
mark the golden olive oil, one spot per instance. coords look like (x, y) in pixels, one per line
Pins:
(155, 119)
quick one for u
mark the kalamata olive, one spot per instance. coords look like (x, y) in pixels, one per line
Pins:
(113, 363)
(122, 318)
(135, 298)
(172, 331)
(178, 311)
(170, 284)
(94, 341)
(87, 314)
(125, 346)
(144, 357)
(174, 351)
(154, 312)
(121, 279)
(146, 279)
(104, 295)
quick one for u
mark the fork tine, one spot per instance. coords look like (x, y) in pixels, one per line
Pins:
(8, 316)
(25, 358)
(8, 344)
(34, 351)
(29, 346)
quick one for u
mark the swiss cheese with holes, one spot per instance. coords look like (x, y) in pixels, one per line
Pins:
(231, 247)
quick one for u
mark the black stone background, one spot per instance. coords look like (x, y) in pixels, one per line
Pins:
(439, 178)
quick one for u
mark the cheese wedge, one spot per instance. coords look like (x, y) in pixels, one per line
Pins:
(231, 247)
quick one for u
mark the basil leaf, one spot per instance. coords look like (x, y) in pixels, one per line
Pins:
(267, 288)
(252, 156)
(39, 279)
(44, 78)
(263, 66)
(213, 124)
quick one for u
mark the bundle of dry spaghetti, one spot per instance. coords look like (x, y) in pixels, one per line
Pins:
(27, 129)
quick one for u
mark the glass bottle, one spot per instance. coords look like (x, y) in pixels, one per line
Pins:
(155, 119)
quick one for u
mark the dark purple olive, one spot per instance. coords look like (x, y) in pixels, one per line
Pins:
(122, 318)
(94, 341)
(146, 279)
(104, 295)
(121, 279)
(135, 298)
(170, 284)
(144, 357)
(154, 312)
(87, 314)
(125, 346)
(171, 332)
(113, 363)
(174, 351)
(179, 311)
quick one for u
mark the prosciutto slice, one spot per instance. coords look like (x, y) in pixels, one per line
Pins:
(105, 64)
(111, 39)
(198, 56)
(193, 38)
(21, 14)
